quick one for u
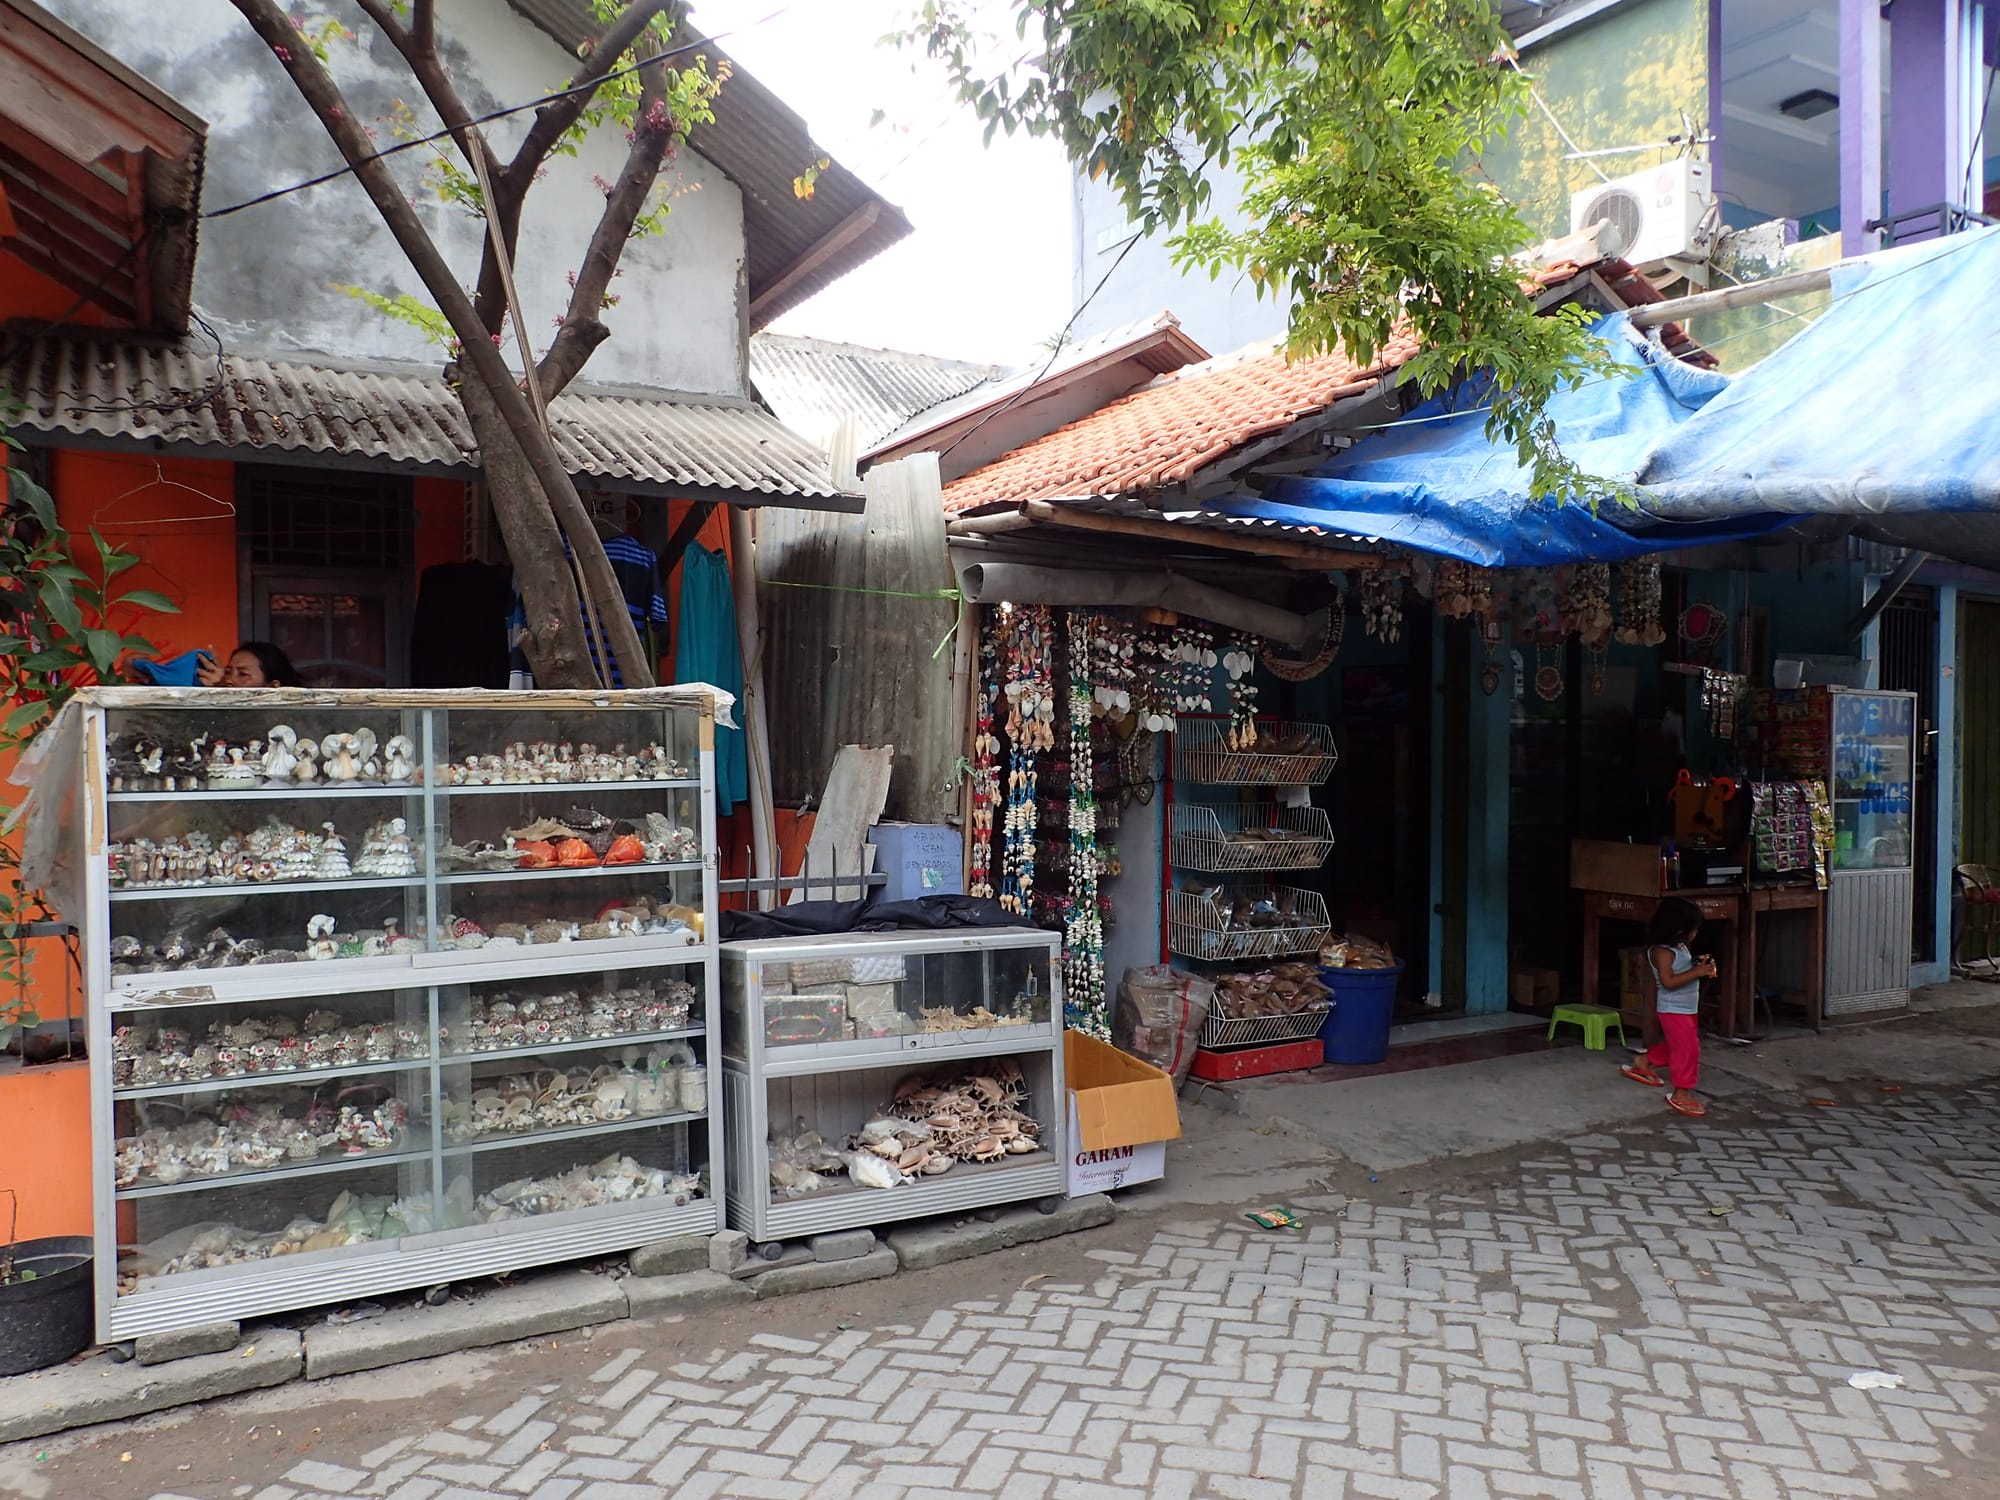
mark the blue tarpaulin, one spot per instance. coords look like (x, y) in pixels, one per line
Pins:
(1884, 407)
(1435, 481)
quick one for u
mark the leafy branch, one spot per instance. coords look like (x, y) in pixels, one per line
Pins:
(63, 626)
(1349, 123)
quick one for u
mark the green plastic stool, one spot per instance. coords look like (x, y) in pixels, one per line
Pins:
(1596, 1021)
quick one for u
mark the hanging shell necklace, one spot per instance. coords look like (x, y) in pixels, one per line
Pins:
(1030, 696)
(1083, 934)
(985, 760)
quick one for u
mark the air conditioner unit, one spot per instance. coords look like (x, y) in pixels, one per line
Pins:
(1650, 216)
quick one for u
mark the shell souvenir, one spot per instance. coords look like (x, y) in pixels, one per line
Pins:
(625, 850)
(575, 854)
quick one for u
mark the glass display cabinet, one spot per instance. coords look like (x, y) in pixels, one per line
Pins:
(387, 989)
(874, 1077)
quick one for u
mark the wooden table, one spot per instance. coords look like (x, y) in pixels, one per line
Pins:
(1716, 904)
(1806, 898)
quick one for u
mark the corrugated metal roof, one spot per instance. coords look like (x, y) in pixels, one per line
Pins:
(1154, 344)
(126, 390)
(797, 246)
(813, 384)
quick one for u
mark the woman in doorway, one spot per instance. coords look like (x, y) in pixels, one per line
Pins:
(253, 664)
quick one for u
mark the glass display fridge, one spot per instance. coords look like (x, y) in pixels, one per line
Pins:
(1862, 745)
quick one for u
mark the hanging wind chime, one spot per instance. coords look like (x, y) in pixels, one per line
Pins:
(1083, 931)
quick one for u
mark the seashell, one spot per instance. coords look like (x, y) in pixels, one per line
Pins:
(625, 850)
(535, 854)
(872, 1171)
(574, 854)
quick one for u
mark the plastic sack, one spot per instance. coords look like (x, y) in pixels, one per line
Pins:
(1159, 1016)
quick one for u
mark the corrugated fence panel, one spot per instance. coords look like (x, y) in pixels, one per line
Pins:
(853, 621)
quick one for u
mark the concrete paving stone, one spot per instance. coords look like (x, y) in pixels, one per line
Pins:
(671, 1257)
(815, 1276)
(728, 1249)
(690, 1291)
(185, 1343)
(938, 1242)
(529, 1309)
(844, 1244)
(97, 1390)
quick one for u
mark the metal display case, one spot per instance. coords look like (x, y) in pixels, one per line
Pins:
(939, 1055)
(435, 1001)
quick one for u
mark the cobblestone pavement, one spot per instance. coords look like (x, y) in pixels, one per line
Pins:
(1612, 1321)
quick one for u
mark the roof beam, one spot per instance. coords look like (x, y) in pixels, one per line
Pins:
(64, 271)
(1193, 536)
(837, 239)
(37, 157)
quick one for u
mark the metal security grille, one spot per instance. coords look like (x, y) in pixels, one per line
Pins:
(297, 518)
(1908, 651)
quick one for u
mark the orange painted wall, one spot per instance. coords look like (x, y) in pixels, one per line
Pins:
(176, 515)
(45, 1122)
(27, 293)
(440, 538)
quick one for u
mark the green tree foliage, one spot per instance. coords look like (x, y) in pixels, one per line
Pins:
(1351, 124)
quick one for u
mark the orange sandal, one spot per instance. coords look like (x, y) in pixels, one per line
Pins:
(1694, 1109)
(1643, 1073)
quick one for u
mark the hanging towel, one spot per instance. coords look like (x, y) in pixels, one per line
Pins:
(708, 650)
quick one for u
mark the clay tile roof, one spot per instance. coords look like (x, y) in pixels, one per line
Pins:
(1169, 430)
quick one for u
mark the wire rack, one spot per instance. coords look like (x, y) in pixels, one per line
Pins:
(1230, 838)
(1200, 924)
(1219, 1033)
(1285, 754)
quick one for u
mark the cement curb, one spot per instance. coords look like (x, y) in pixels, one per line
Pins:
(97, 1389)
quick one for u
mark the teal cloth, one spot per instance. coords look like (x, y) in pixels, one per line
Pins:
(1685, 1001)
(707, 649)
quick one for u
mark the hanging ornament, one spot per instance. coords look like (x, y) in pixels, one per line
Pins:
(1083, 926)
(1029, 692)
(1588, 604)
(1382, 604)
(1195, 660)
(1548, 673)
(1703, 626)
(985, 760)
(1638, 614)
(1240, 663)
(1303, 669)
(1490, 636)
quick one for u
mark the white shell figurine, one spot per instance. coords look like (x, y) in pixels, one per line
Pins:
(306, 771)
(279, 759)
(401, 755)
(337, 758)
(319, 937)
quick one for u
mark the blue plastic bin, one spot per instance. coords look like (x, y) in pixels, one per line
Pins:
(1356, 1030)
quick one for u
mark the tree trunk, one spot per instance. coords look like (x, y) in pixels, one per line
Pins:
(555, 646)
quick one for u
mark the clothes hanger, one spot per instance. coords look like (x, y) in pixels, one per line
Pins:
(226, 509)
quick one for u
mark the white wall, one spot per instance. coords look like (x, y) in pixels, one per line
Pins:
(1222, 315)
(267, 278)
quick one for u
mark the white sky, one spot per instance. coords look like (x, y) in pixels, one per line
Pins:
(985, 275)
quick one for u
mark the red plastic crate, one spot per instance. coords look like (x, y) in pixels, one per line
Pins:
(1255, 1062)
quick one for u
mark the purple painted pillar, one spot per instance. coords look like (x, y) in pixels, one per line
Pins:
(1926, 113)
(1860, 124)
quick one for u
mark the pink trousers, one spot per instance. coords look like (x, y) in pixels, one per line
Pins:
(1679, 1047)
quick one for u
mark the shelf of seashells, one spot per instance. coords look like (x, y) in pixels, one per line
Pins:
(280, 1119)
(382, 1200)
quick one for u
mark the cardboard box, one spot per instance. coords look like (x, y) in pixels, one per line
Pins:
(1622, 869)
(1534, 989)
(1122, 1113)
(920, 859)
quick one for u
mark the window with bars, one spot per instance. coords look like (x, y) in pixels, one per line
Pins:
(305, 518)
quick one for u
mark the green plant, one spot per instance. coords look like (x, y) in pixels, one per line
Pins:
(1353, 128)
(62, 627)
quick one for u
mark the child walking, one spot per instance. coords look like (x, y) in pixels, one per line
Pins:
(1677, 977)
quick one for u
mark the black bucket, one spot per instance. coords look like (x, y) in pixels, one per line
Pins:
(47, 1316)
